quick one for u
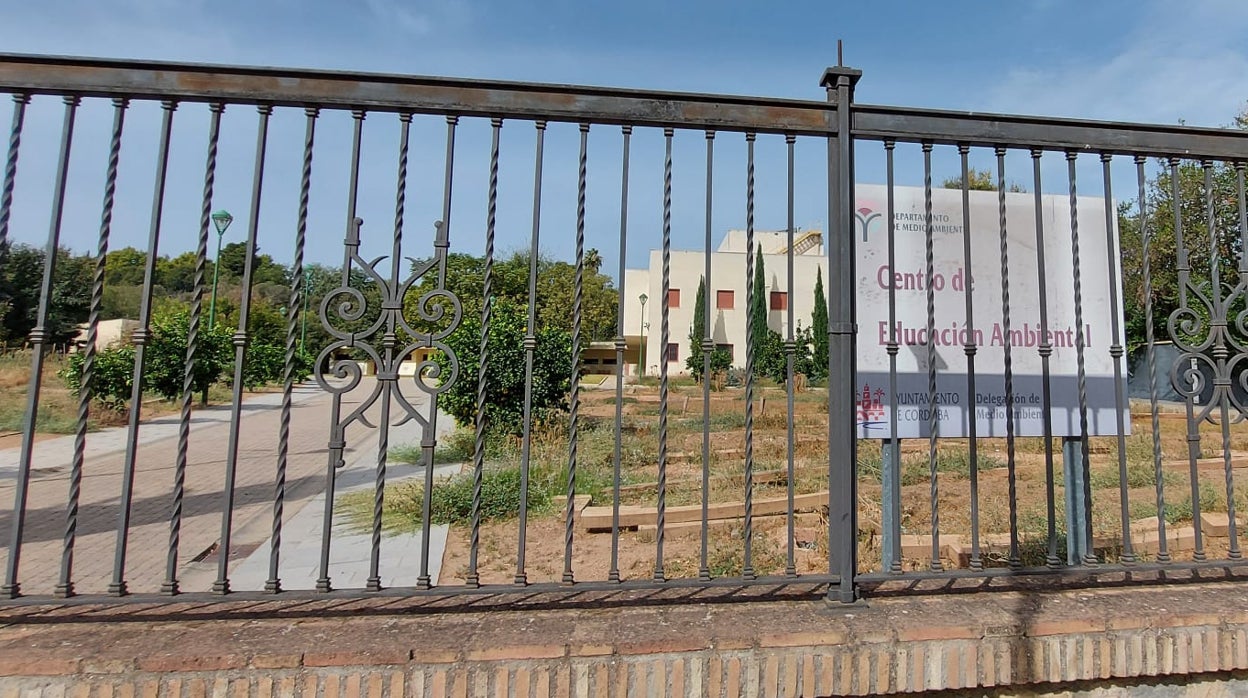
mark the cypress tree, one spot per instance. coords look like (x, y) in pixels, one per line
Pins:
(758, 309)
(697, 330)
(819, 328)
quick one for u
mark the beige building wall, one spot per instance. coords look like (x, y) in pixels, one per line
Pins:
(726, 295)
(107, 333)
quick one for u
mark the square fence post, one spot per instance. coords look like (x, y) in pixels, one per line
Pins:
(842, 430)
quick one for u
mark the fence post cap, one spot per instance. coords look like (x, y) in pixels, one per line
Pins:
(832, 76)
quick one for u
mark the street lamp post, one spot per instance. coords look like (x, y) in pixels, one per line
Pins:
(641, 366)
(221, 220)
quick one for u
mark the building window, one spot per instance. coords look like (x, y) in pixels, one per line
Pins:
(779, 300)
(673, 298)
(724, 300)
(673, 352)
(727, 348)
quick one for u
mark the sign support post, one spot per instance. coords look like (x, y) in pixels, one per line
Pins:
(1076, 513)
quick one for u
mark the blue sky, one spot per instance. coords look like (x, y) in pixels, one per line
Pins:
(1146, 60)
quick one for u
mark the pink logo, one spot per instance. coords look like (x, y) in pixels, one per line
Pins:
(865, 218)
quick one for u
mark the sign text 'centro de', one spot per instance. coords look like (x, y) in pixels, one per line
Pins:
(987, 329)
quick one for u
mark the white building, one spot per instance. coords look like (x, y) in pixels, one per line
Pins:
(726, 294)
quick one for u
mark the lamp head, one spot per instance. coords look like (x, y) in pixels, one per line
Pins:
(222, 220)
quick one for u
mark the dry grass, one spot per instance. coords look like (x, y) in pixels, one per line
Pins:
(725, 469)
(58, 404)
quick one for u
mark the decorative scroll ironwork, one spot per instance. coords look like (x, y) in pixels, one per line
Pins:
(437, 313)
(1210, 325)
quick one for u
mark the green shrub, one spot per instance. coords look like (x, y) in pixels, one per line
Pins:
(266, 363)
(452, 499)
(165, 361)
(113, 375)
(505, 371)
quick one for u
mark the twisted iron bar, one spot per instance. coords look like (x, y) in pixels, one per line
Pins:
(933, 421)
(665, 333)
(141, 337)
(573, 425)
(1220, 337)
(483, 353)
(240, 340)
(747, 566)
(1182, 324)
(1163, 554)
(170, 585)
(1089, 557)
(389, 342)
(293, 317)
(1014, 560)
(65, 587)
(20, 100)
(192, 349)
(38, 337)
(1232, 524)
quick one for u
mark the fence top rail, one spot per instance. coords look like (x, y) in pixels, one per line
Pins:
(194, 82)
(1047, 133)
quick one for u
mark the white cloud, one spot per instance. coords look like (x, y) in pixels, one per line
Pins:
(155, 29)
(393, 12)
(1178, 61)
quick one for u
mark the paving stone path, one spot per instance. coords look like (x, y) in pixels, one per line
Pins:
(203, 500)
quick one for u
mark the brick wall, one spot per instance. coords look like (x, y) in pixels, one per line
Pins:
(1029, 643)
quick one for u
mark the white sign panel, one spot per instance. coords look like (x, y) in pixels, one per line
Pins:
(987, 329)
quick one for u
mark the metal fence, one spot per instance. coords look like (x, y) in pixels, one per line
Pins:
(72, 527)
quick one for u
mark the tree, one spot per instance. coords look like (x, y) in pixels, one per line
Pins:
(22, 273)
(505, 369)
(125, 267)
(21, 282)
(1223, 249)
(164, 362)
(1160, 205)
(721, 360)
(980, 180)
(121, 301)
(556, 287)
(556, 290)
(593, 260)
(71, 296)
(769, 359)
(319, 280)
(819, 330)
(263, 269)
(697, 331)
(177, 274)
(233, 259)
(758, 307)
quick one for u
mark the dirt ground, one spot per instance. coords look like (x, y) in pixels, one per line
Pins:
(545, 541)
